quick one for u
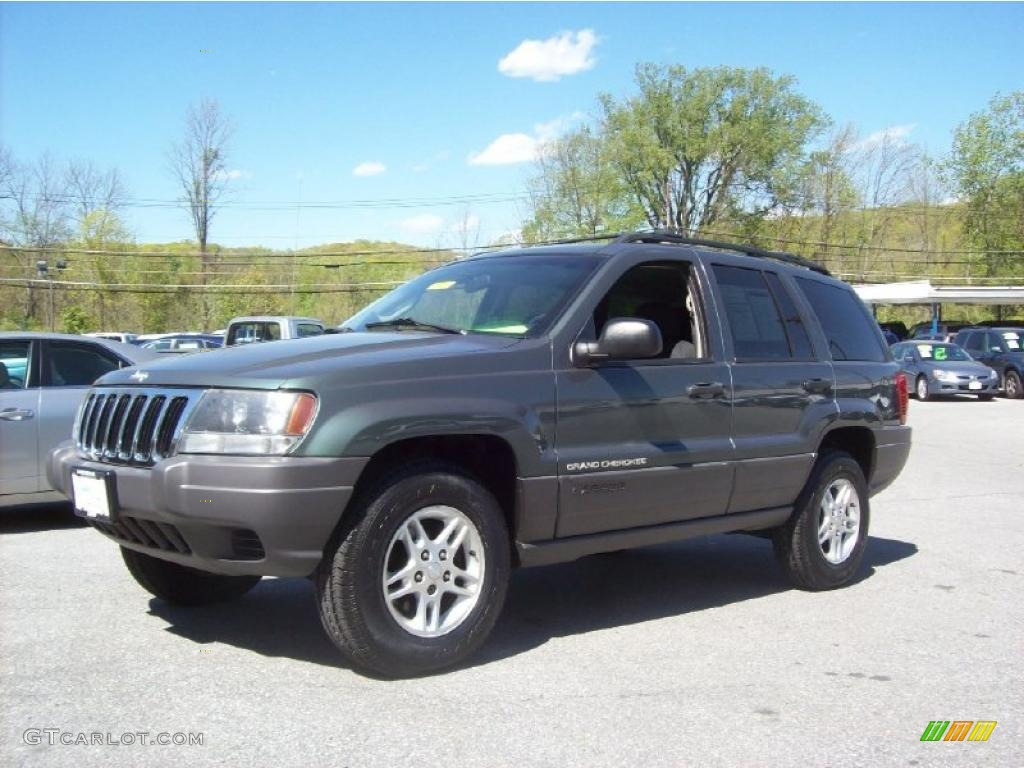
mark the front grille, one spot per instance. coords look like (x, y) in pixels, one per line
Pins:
(132, 425)
(147, 533)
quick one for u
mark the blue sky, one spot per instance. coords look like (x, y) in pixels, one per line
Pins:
(317, 90)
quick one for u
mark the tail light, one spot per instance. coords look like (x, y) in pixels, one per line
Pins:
(902, 397)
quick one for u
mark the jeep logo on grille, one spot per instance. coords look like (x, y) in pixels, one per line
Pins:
(139, 376)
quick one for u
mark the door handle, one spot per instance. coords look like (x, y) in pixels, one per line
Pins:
(16, 414)
(817, 386)
(710, 389)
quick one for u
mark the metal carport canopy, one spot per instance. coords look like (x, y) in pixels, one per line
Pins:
(923, 292)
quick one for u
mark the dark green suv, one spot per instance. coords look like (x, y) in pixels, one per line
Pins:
(512, 409)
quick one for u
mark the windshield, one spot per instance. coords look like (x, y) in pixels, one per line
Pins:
(942, 352)
(512, 296)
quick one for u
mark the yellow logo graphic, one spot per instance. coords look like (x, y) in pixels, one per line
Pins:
(958, 730)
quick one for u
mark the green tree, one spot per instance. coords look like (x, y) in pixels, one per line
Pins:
(577, 191)
(986, 169)
(694, 145)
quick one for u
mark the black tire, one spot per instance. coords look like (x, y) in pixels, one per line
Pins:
(1012, 385)
(796, 543)
(917, 389)
(349, 590)
(181, 585)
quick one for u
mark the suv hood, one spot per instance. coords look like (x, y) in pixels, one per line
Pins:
(297, 362)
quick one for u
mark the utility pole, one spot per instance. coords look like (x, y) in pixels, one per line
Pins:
(43, 271)
(668, 208)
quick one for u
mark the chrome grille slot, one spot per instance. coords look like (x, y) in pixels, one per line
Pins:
(133, 425)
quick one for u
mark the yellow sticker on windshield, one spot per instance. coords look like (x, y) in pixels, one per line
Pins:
(503, 329)
(441, 286)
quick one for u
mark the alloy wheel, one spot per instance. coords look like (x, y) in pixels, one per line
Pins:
(433, 571)
(838, 521)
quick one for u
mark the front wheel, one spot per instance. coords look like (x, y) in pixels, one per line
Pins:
(1012, 385)
(181, 585)
(922, 389)
(822, 544)
(419, 576)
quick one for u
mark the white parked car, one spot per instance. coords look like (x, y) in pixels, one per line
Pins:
(124, 338)
(250, 330)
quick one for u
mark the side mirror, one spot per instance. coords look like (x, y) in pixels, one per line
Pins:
(622, 338)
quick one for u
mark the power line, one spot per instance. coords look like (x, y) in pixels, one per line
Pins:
(115, 287)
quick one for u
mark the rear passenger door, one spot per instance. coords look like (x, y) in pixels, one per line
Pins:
(782, 386)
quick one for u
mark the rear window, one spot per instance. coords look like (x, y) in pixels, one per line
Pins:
(754, 319)
(254, 332)
(850, 331)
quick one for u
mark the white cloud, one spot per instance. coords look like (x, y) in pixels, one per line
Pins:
(507, 149)
(512, 148)
(233, 174)
(424, 224)
(370, 168)
(894, 134)
(468, 224)
(549, 60)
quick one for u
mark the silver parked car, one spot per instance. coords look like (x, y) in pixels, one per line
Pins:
(938, 368)
(43, 377)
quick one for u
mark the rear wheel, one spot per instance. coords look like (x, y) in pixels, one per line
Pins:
(1012, 385)
(419, 576)
(180, 585)
(921, 388)
(822, 545)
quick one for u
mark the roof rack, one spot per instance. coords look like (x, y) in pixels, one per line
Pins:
(672, 236)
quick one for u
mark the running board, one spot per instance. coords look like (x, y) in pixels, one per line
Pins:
(573, 547)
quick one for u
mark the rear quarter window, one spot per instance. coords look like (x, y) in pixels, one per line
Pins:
(848, 327)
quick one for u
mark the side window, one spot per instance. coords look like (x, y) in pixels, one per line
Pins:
(15, 364)
(755, 323)
(309, 329)
(663, 293)
(995, 342)
(78, 365)
(271, 332)
(798, 338)
(847, 325)
(974, 342)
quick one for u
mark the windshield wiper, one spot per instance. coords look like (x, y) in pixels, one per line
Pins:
(408, 322)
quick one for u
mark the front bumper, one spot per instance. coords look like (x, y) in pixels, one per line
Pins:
(988, 387)
(237, 515)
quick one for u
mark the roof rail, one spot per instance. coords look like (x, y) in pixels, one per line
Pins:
(672, 236)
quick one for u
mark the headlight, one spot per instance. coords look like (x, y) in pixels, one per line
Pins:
(947, 376)
(992, 374)
(248, 423)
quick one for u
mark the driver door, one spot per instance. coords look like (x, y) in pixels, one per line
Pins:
(646, 442)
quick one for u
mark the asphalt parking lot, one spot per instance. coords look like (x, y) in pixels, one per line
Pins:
(688, 654)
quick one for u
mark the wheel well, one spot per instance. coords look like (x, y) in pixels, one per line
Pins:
(487, 457)
(859, 442)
